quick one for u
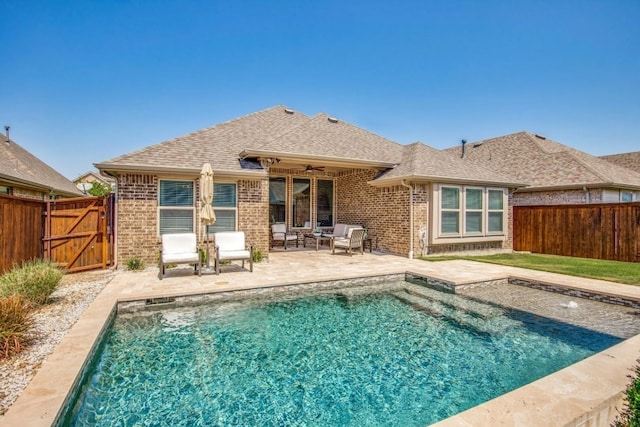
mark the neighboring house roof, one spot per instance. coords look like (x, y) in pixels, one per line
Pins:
(93, 176)
(290, 138)
(545, 164)
(23, 169)
(626, 160)
(423, 163)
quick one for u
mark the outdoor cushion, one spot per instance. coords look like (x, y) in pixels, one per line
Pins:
(230, 245)
(354, 241)
(178, 248)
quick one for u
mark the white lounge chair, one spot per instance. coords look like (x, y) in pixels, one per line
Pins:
(279, 234)
(350, 243)
(230, 246)
(179, 248)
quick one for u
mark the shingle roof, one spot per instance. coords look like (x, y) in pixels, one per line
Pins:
(286, 134)
(626, 160)
(543, 163)
(326, 136)
(20, 166)
(218, 145)
(421, 162)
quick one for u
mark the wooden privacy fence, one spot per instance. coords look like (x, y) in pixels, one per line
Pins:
(601, 231)
(21, 230)
(76, 234)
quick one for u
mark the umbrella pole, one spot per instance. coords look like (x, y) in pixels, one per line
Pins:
(208, 259)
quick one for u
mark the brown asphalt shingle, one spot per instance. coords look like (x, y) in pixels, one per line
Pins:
(18, 164)
(543, 163)
(625, 160)
(420, 161)
(218, 145)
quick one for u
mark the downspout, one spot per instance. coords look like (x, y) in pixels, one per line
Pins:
(410, 218)
(587, 194)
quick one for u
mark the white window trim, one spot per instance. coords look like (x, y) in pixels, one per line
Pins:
(193, 208)
(462, 236)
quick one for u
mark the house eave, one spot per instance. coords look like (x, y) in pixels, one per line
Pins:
(417, 179)
(116, 170)
(327, 161)
(37, 187)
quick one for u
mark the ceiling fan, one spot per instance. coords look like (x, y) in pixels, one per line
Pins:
(310, 168)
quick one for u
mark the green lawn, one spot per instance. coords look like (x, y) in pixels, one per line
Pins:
(614, 271)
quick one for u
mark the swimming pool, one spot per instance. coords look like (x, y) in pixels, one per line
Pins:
(393, 354)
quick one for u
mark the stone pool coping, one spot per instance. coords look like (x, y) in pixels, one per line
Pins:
(584, 394)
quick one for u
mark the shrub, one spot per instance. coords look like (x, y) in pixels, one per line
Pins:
(257, 255)
(135, 264)
(630, 414)
(15, 322)
(35, 281)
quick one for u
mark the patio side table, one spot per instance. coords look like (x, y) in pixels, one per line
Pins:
(368, 241)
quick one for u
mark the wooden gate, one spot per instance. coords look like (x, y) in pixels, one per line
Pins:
(78, 233)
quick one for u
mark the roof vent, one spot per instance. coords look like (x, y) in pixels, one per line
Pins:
(288, 110)
(332, 119)
(539, 136)
(6, 130)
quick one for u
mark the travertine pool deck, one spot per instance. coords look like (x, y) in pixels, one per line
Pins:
(584, 394)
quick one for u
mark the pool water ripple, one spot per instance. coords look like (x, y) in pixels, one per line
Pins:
(335, 359)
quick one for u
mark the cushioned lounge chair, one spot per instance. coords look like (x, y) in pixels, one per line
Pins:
(350, 243)
(279, 234)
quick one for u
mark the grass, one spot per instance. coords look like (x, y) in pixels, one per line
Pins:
(613, 271)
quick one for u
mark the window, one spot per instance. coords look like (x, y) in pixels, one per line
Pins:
(450, 223)
(469, 212)
(324, 203)
(277, 200)
(301, 202)
(6, 190)
(473, 211)
(496, 211)
(626, 196)
(225, 207)
(176, 206)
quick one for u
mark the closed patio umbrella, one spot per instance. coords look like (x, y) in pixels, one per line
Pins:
(207, 214)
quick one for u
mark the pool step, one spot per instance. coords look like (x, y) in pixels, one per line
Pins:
(457, 302)
(436, 308)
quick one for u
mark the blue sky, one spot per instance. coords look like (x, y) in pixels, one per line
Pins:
(85, 81)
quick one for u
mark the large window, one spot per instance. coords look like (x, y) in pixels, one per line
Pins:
(469, 212)
(176, 206)
(277, 200)
(324, 203)
(290, 202)
(225, 206)
(301, 202)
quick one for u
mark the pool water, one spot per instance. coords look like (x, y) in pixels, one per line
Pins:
(400, 355)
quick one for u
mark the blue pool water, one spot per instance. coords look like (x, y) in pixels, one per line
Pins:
(401, 356)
